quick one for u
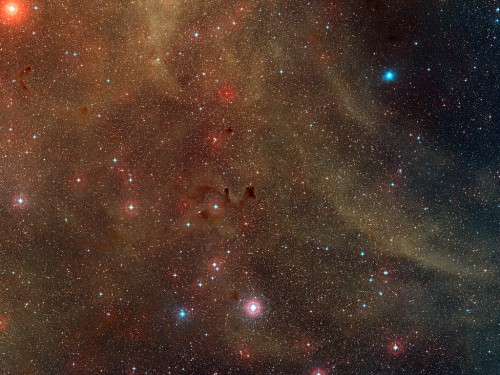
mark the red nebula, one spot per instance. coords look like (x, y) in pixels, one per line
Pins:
(395, 348)
(227, 94)
(4, 323)
(318, 371)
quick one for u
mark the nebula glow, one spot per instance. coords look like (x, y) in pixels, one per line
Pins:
(249, 187)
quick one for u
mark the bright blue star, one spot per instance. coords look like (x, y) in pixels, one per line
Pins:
(389, 76)
(182, 314)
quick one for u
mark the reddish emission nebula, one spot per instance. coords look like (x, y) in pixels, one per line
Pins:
(248, 187)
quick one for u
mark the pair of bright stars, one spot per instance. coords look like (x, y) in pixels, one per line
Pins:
(252, 308)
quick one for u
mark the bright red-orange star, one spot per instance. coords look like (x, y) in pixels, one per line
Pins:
(12, 11)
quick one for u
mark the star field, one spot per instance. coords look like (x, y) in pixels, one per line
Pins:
(249, 187)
